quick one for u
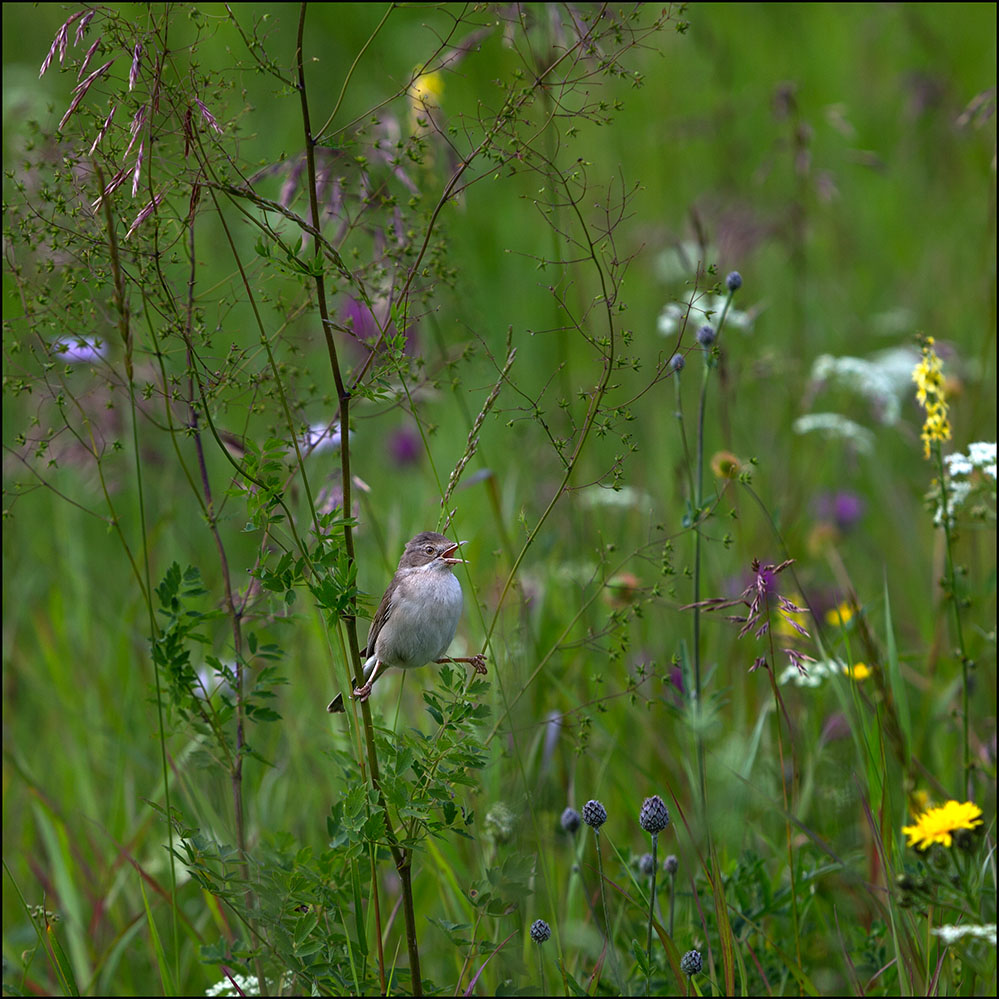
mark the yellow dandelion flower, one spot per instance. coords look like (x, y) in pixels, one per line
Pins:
(859, 671)
(932, 396)
(938, 825)
(840, 616)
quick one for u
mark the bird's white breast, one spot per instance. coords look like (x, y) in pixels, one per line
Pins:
(425, 610)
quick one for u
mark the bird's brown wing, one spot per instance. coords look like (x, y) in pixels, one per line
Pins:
(378, 621)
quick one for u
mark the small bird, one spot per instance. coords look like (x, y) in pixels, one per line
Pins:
(418, 616)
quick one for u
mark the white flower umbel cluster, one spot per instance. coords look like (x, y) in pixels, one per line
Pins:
(817, 673)
(970, 482)
(835, 426)
(238, 985)
(981, 454)
(951, 934)
(867, 378)
(702, 309)
(626, 496)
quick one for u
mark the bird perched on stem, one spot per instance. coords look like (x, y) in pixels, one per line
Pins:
(418, 615)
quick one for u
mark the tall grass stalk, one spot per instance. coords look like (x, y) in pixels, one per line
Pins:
(956, 601)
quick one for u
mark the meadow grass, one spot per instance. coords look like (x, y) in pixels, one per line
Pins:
(630, 299)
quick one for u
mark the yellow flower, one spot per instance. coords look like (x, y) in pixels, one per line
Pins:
(859, 671)
(839, 616)
(938, 825)
(427, 89)
(424, 98)
(931, 395)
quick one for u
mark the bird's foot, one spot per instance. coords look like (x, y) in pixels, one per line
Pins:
(363, 693)
(477, 662)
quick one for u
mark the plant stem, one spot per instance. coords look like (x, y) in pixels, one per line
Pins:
(652, 907)
(603, 901)
(672, 901)
(402, 857)
(951, 585)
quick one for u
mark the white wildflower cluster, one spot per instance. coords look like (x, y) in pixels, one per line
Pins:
(981, 454)
(626, 496)
(833, 425)
(883, 379)
(866, 377)
(703, 309)
(970, 481)
(816, 675)
(951, 934)
(238, 985)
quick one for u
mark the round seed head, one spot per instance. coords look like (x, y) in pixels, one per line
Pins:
(671, 864)
(706, 336)
(571, 820)
(540, 931)
(734, 281)
(677, 363)
(654, 816)
(647, 865)
(691, 963)
(594, 814)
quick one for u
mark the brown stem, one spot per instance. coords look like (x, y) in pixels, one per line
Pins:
(401, 857)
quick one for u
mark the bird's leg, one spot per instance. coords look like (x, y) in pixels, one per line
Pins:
(364, 692)
(477, 662)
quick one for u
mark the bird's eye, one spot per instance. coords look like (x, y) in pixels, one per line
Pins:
(429, 549)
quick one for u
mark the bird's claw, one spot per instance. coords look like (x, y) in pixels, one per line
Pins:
(363, 693)
(478, 663)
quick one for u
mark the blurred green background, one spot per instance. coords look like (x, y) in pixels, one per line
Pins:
(840, 157)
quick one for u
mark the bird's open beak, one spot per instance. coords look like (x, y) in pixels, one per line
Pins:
(446, 555)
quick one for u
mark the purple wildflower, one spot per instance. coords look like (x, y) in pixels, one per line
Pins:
(405, 446)
(843, 508)
(361, 320)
